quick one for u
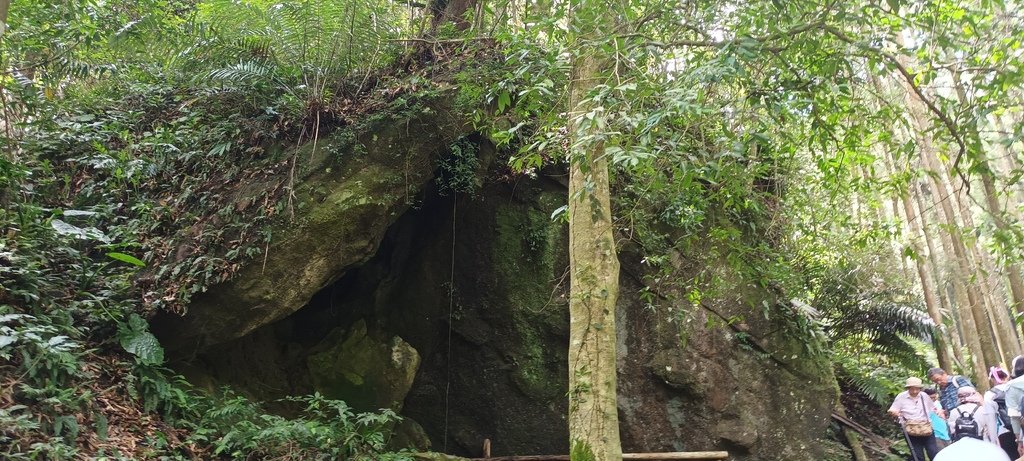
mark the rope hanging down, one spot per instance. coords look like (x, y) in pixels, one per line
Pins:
(451, 308)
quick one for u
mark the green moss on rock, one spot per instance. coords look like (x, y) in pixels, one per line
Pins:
(524, 251)
(363, 369)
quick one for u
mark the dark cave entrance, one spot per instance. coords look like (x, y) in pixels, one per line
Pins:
(491, 344)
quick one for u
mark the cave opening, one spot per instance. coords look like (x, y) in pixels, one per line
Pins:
(488, 332)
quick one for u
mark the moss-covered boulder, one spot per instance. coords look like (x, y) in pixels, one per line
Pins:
(366, 369)
(348, 188)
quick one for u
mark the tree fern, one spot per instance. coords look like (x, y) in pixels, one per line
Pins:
(863, 314)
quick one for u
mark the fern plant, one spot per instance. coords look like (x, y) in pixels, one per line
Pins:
(303, 48)
(877, 329)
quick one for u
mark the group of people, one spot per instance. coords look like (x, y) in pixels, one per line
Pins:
(952, 421)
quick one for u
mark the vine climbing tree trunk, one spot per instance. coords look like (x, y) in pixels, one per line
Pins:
(594, 265)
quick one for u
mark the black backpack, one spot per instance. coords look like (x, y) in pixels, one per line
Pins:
(966, 426)
(999, 396)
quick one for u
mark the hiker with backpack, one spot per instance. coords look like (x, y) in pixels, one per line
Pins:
(947, 386)
(999, 379)
(971, 418)
(911, 408)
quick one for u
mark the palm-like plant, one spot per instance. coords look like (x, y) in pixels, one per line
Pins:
(875, 326)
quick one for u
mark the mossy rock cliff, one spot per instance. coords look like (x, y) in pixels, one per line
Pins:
(475, 284)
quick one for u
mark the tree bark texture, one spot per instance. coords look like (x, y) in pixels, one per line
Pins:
(594, 265)
(5, 6)
(453, 11)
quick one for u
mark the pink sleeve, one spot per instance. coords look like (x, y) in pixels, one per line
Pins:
(895, 402)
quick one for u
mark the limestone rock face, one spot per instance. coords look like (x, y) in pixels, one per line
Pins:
(721, 376)
(381, 272)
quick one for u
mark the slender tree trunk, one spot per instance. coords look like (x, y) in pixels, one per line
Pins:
(5, 6)
(594, 266)
(1011, 164)
(947, 302)
(916, 108)
(975, 299)
(1001, 314)
(928, 288)
(976, 304)
(1003, 333)
(960, 302)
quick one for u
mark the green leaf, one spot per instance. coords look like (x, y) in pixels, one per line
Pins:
(138, 341)
(504, 100)
(127, 258)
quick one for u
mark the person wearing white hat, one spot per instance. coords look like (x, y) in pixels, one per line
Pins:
(911, 408)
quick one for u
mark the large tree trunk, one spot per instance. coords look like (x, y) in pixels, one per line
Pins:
(5, 6)
(594, 266)
(453, 11)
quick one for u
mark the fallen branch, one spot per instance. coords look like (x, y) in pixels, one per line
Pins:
(875, 438)
(439, 42)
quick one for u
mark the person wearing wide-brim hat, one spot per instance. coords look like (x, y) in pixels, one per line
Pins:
(911, 408)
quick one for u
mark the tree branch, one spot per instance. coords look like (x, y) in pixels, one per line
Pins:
(910, 77)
